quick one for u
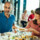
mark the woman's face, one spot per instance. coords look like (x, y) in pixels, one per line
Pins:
(37, 16)
(25, 12)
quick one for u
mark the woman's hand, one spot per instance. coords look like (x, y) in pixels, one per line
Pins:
(33, 30)
(30, 30)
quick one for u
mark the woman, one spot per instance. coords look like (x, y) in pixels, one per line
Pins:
(24, 18)
(34, 25)
(31, 17)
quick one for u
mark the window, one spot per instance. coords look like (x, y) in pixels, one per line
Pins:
(32, 4)
(21, 7)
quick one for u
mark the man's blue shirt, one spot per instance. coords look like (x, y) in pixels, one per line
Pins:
(6, 23)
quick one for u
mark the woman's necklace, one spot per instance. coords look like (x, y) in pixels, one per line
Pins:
(39, 26)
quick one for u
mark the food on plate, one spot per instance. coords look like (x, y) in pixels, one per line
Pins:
(13, 37)
(23, 36)
(23, 39)
(16, 38)
(22, 29)
(15, 31)
(27, 36)
(20, 39)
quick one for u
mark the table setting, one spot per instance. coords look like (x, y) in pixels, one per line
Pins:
(17, 35)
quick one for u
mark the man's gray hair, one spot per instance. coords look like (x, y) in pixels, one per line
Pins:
(11, 7)
(9, 3)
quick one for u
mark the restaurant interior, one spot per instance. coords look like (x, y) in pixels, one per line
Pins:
(22, 10)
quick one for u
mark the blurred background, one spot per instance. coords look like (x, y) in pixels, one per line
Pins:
(19, 6)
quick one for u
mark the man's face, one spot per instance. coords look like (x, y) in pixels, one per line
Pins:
(7, 8)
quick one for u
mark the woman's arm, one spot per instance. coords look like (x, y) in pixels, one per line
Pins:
(34, 31)
(28, 25)
(29, 18)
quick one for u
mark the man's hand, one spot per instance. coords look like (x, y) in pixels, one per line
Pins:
(14, 27)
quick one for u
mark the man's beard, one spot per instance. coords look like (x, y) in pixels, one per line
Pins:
(6, 11)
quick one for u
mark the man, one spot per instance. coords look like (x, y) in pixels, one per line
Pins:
(6, 20)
